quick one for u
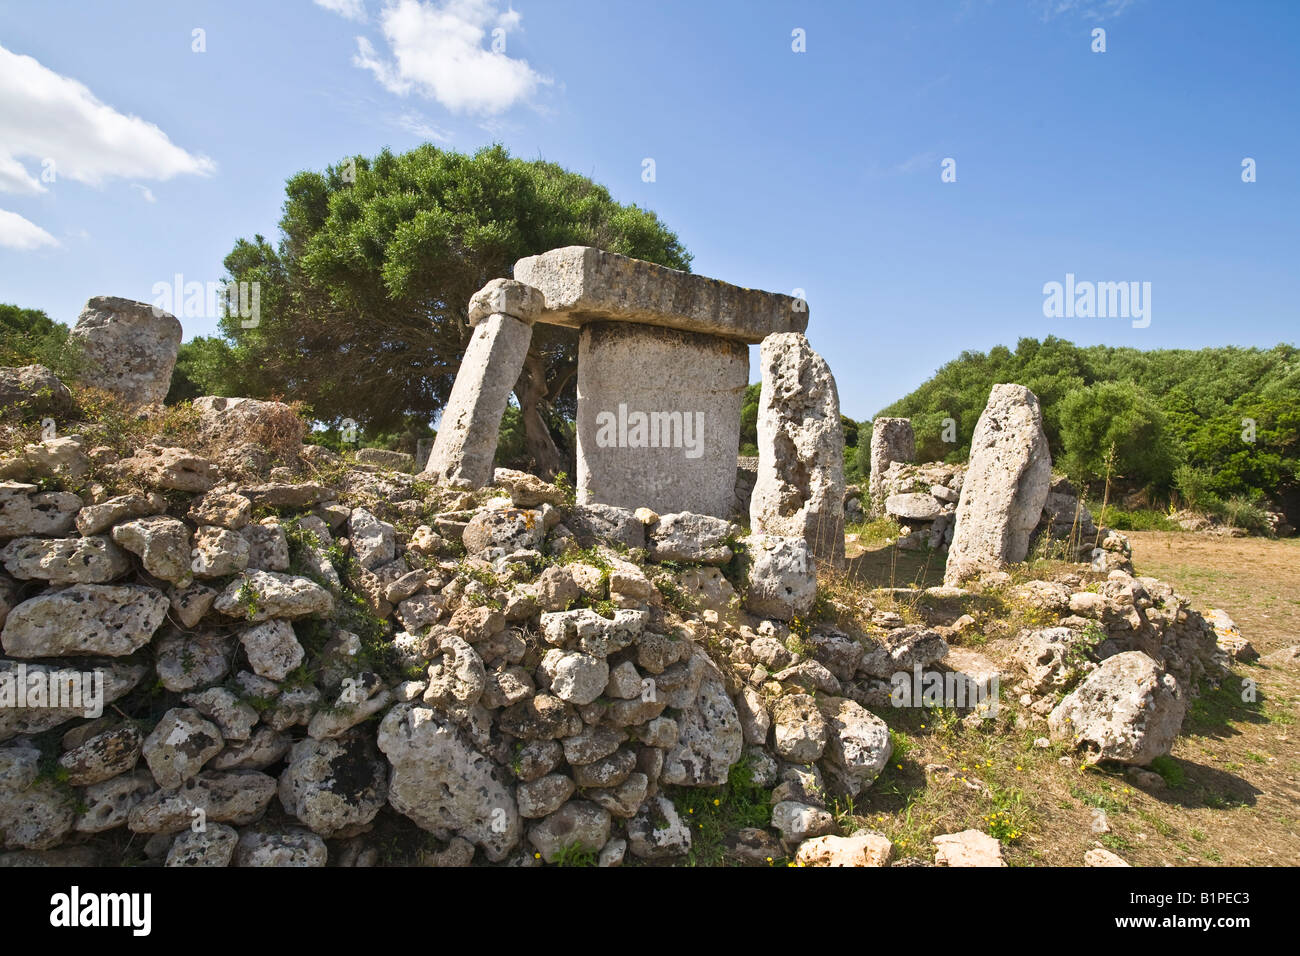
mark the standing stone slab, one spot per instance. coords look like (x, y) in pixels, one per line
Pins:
(659, 417)
(892, 440)
(800, 488)
(130, 346)
(581, 284)
(1005, 488)
(467, 434)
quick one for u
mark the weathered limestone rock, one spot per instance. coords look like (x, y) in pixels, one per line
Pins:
(710, 739)
(336, 787)
(800, 821)
(862, 849)
(186, 661)
(467, 434)
(131, 348)
(1127, 710)
(580, 283)
(94, 519)
(442, 783)
(782, 577)
(163, 545)
(967, 848)
(84, 619)
(40, 715)
(261, 595)
(892, 440)
(24, 510)
(913, 507)
(179, 745)
(236, 798)
(178, 469)
(800, 489)
(92, 560)
(511, 297)
(576, 677)
(659, 417)
(35, 813)
(374, 542)
(801, 731)
(1005, 487)
(658, 832)
(33, 391)
(695, 539)
(215, 846)
(272, 648)
(292, 847)
(108, 803)
(857, 745)
(577, 824)
(101, 756)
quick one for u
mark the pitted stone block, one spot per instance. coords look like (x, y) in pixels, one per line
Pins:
(659, 417)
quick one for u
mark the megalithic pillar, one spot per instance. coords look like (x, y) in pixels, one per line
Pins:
(502, 314)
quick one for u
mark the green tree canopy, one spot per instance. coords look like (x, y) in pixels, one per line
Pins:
(30, 337)
(1160, 408)
(364, 298)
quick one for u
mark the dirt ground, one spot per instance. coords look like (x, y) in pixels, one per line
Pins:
(1230, 795)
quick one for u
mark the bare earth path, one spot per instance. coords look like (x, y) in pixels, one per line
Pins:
(1233, 750)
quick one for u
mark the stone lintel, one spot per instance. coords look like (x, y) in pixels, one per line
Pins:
(581, 284)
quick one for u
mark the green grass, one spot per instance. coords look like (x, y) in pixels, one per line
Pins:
(1140, 519)
(713, 813)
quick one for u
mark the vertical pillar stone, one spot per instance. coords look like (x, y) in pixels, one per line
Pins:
(800, 488)
(891, 440)
(1005, 487)
(659, 417)
(502, 314)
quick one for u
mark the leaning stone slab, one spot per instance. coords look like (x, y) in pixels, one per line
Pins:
(892, 439)
(580, 283)
(1005, 488)
(130, 346)
(800, 488)
(467, 434)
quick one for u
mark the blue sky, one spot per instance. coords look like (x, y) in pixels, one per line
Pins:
(817, 170)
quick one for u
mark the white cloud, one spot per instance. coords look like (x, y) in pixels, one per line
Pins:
(60, 126)
(22, 234)
(1088, 9)
(145, 192)
(350, 9)
(437, 51)
(417, 125)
